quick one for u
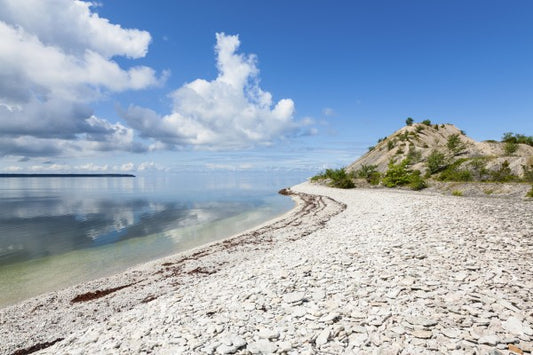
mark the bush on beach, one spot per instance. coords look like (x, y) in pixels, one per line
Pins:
(401, 175)
(338, 178)
(369, 173)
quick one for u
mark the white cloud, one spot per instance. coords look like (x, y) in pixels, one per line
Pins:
(91, 167)
(12, 168)
(70, 24)
(229, 112)
(56, 58)
(127, 167)
(150, 166)
(50, 167)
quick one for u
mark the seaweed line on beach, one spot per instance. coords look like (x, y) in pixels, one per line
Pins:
(89, 296)
(36, 347)
(311, 213)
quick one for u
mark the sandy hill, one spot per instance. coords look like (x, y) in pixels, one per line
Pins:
(419, 140)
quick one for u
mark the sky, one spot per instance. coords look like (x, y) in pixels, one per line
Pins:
(169, 86)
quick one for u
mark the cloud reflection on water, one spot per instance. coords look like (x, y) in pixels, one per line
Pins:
(37, 227)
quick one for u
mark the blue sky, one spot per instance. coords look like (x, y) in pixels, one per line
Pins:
(199, 85)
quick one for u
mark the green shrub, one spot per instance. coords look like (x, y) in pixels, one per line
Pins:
(436, 126)
(530, 192)
(419, 128)
(426, 122)
(454, 172)
(478, 169)
(409, 121)
(510, 147)
(339, 178)
(396, 174)
(374, 178)
(416, 182)
(528, 173)
(457, 193)
(404, 136)
(371, 148)
(390, 144)
(369, 173)
(436, 161)
(366, 171)
(455, 175)
(454, 144)
(343, 184)
(413, 155)
(400, 175)
(503, 174)
(517, 138)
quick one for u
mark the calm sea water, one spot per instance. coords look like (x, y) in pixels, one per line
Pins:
(56, 232)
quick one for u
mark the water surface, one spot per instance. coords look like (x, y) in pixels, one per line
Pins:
(55, 232)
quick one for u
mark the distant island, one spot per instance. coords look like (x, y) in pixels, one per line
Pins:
(63, 175)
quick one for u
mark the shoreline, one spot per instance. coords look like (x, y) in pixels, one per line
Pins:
(344, 271)
(141, 279)
(48, 271)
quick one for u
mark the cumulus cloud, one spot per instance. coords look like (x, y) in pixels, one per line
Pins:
(229, 112)
(56, 57)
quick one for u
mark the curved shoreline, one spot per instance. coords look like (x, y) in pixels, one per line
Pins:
(49, 318)
(396, 272)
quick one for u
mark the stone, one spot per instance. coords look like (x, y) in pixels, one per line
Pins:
(238, 341)
(318, 295)
(248, 306)
(491, 340)
(425, 322)
(262, 346)
(298, 311)
(226, 349)
(513, 325)
(508, 305)
(331, 317)
(453, 333)
(461, 276)
(265, 333)
(322, 337)
(515, 349)
(294, 297)
(357, 340)
(284, 346)
(422, 334)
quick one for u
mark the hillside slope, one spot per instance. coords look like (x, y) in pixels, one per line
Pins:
(418, 141)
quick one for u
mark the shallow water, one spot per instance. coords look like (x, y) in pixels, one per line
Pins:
(56, 232)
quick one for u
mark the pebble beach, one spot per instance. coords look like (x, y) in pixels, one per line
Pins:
(361, 271)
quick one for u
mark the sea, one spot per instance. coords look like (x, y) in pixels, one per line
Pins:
(56, 232)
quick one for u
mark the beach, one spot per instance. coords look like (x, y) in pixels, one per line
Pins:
(346, 271)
